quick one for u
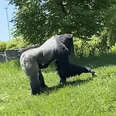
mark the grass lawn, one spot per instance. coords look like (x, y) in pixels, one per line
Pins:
(82, 96)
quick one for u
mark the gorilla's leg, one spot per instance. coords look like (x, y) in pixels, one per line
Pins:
(65, 69)
(73, 70)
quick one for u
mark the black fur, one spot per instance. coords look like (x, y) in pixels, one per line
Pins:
(65, 69)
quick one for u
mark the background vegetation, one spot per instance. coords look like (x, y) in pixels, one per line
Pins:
(13, 44)
(38, 20)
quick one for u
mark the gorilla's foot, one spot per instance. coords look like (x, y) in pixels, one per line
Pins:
(91, 71)
(35, 88)
(35, 92)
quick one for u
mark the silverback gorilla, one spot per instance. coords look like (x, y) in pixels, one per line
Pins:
(57, 48)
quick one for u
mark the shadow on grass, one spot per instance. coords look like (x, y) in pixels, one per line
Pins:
(97, 61)
(72, 83)
(91, 61)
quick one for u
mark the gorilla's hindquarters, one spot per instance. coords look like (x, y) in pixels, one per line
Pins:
(65, 69)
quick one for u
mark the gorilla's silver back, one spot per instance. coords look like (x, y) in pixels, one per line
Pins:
(42, 54)
(45, 53)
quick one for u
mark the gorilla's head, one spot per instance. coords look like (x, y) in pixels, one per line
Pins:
(65, 43)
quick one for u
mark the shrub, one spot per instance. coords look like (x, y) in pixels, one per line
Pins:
(93, 47)
(16, 43)
(13, 44)
(113, 49)
(2, 46)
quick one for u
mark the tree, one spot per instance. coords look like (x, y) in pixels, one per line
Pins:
(110, 23)
(37, 20)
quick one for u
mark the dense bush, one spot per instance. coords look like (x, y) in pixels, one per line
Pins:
(16, 43)
(111, 23)
(13, 44)
(113, 49)
(2, 46)
(93, 47)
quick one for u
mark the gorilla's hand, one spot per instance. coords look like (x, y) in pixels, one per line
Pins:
(94, 74)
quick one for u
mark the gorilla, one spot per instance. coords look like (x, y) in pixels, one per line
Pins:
(57, 48)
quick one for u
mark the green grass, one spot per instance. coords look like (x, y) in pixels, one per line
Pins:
(82, 96)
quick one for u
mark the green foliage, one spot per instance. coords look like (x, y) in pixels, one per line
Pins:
(37, 20)
(2, 46)
(13, 44)
(96, 46)
(113, 49)
(111, 23)
(80, 97)
(16, 43)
